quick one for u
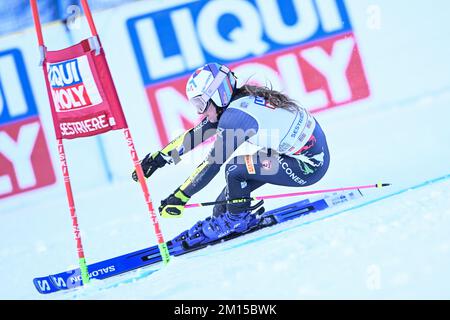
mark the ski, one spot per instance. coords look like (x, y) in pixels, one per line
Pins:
(150, 256)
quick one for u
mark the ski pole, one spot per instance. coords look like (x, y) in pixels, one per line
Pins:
(285, 195)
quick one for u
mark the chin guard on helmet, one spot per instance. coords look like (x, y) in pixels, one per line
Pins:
(211, 82)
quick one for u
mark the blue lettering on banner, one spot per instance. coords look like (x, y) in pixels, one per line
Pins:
(174, 42)
(16, 98)
(64, 74)
(69, 92)
(25, 163)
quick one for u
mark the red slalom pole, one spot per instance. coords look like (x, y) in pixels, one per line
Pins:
(73, 215)
(62, 158)
(87, 12)
(163, 249)
(37, 22)
(285, 195)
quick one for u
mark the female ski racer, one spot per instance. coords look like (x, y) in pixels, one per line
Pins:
(293, 152)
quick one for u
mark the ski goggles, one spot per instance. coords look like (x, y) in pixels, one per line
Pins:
(201, 102)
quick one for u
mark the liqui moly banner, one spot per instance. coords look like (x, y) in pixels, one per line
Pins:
(305, 48)
(81, 91)
(25, 162)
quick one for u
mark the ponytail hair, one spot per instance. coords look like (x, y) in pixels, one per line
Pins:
(273, 97)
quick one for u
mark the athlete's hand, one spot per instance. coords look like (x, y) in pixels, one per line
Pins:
(173, 206)
(151, 162)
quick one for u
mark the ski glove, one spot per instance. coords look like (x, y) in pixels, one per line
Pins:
(151, 162)
(173, 206)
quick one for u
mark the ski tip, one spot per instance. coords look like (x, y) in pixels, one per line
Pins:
(381, 185)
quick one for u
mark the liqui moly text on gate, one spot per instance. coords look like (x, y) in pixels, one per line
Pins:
(72, 85)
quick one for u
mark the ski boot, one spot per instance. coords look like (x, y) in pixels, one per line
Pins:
(216, 228)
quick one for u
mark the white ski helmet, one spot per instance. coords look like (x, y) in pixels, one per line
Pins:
(212, 81)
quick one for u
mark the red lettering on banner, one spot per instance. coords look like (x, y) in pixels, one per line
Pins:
(69, 98)
(320, 75)
(171, 110)
(24, 159)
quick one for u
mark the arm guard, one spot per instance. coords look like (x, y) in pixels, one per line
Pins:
(190, 139)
